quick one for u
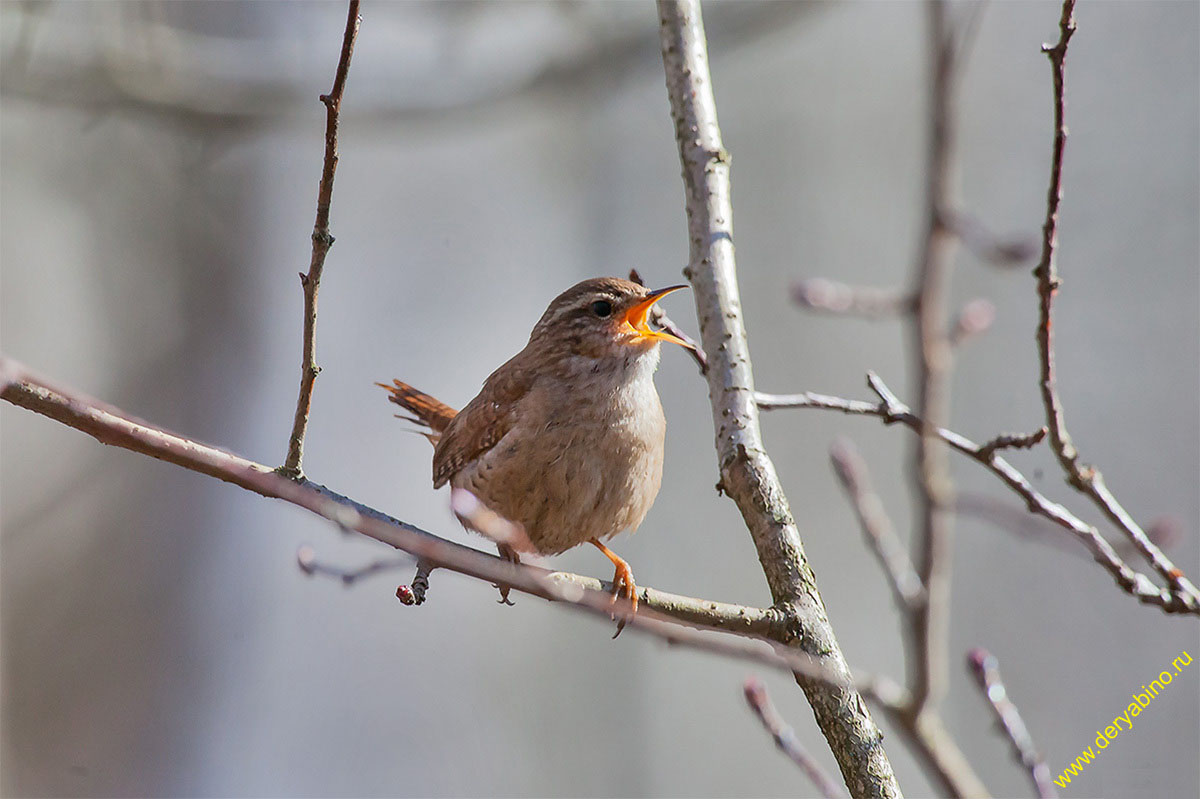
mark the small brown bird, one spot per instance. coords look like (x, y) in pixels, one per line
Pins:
(566, 438)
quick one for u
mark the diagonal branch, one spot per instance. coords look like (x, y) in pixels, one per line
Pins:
(855, 477)
(321, 242)
(785, 738)
(986, 670)
(892, 411)
(1084, 478)
(747, 473)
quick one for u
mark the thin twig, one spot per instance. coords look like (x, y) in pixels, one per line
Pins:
(892, 411)
(986, 670)
(855, 477)
(1083, 477)
(293, 466)
(1012, 441)
(747, 473)
(1010, 251)
(786, 739)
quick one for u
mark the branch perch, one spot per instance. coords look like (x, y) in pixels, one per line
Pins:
(660, 613)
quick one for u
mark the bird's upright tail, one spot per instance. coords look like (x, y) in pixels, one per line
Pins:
(426, 411)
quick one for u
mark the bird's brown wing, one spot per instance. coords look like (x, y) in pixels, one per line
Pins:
(430, 412)
(483, 422)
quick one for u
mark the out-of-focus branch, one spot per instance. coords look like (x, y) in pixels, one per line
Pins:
(986, 245)
(855, 477)
(934, 536)
(1164, 531)
(785, 738)
(747, 474)
(1083, 477)
(306, 559)
(893, 411)
(870, 302)
(986, 670)
(321, 242)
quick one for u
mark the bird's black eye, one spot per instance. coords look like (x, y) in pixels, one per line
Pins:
(602, 308)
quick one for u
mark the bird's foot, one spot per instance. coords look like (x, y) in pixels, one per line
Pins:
(622, 584)
(512, 556)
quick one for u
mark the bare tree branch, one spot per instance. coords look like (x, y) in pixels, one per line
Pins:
(869, 302)
(1012, 441)
(986, 670)
(321, 242)
(1084, 478)
(852, 470)
(306, 559)
(747, 474)
(934, 538)
(986, 245)
(893, 411)
(785, 738)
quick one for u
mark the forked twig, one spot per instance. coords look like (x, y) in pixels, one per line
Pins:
(1083, 477)
(892, 411)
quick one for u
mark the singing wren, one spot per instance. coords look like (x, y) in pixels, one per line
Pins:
(566, 438)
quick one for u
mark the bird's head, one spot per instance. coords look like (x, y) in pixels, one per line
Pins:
(602, 317)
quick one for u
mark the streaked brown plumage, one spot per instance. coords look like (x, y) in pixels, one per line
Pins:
(566, 438)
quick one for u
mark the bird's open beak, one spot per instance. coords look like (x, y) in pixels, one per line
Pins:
(635, 317)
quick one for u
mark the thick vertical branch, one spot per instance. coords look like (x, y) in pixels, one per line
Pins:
(935, 491)
(321, 242)
(929, 618)
(747, 474)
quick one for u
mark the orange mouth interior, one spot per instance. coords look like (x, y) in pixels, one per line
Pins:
(636, 316)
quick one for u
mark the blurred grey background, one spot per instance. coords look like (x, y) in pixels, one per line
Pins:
(159, 172)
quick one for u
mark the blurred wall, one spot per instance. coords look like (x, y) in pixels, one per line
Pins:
(158, 171)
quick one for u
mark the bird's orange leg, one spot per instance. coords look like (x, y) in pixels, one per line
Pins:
(622, 581)
(512, 556)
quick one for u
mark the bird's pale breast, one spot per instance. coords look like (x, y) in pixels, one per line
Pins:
(583, 461)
